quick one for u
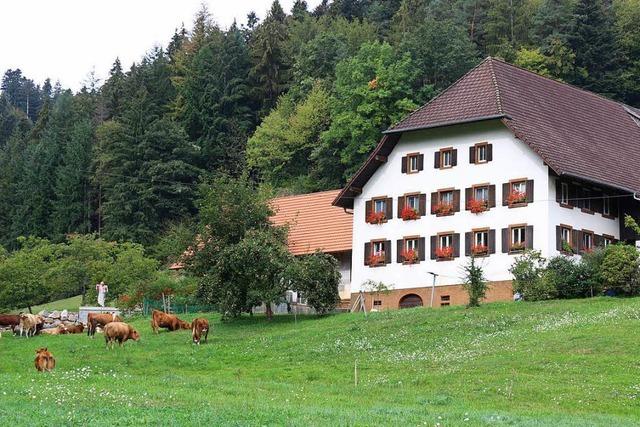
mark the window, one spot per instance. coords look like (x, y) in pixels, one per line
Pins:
(380, 205)
(377, 248)
(566, 239)
(445, 240)
(481, 193)
(482, 153)
(446, 158)
(413, 164)
(413, 201)
(607, 240)
(606, 206)
(519, 186)
(377, 303)
(564, 193)
(587, 240)
(445, 298)
(480, 244)
(446, 197)
(411, 244)
(565, 235)
(586, 199)
(517, 242)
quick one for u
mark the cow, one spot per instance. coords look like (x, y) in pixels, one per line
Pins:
(44, 360)
(74, 329)
(9, 320)
(30, 324)
(58, 330)
(100, 319)
(199, 326)
(119, 331)
(167, 321)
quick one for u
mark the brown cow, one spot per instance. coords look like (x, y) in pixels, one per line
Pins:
(199, 326)
(167, 321)
(74, 329)
(44, 360)
(100, 319)
(119, 331)
(9, 320)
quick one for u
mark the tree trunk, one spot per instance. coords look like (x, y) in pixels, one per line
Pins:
(29, 307)
(269, 311)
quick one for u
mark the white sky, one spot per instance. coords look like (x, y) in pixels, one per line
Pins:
(66, 39)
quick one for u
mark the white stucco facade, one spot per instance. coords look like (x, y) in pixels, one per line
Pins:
(512, 159)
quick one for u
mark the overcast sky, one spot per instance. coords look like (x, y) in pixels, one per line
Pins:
(66, 39)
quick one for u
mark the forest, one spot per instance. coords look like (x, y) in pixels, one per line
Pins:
(292, 103)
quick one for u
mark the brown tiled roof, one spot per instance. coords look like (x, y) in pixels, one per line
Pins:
(576, 132)
(314, 223)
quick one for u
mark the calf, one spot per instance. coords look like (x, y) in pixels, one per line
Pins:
(171, 322)
(100, 319)
(30, 323)
(199, 327)
(74, 329)
(58, 330)
(44, 360)
(119, 331)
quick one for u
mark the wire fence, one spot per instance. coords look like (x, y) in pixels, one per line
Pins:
(175, 305)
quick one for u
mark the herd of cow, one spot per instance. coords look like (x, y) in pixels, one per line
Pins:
(113, 328)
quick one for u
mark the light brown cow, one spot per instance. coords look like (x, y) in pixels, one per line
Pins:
(74, 329)
(119, 331)
(58, 330)
(199, 326)
(167, 321)
(100, 319)
(44, 360)
(30, 323)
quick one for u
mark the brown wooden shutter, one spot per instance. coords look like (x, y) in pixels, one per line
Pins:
(576, 240)
(468, 195)
(492, 241)
(614, 206)
(574, 195)
(434, 243)
(472, 154)
(389, 208)
(558, 190)
(505, 240)
(489, 152)
(456, 200)
(492, 196)
(579, 196)
(367, 253)
(400, 247)
(400, 206)
(456, 245)
(468, 237)
(529, 191)
(559, 238)
(422, 249)
(387, 252)
(367, 209)
(420, 162)
(528, 236)
(423, 204)
(506, 189)
(434, 202)
(596, 202)
(404, 164)
(454, 157)
(436, 160)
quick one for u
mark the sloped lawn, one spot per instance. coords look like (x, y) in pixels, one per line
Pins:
(555, 363)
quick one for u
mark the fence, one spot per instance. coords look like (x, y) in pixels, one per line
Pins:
(174, 305)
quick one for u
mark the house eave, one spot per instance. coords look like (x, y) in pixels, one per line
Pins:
(448, 123)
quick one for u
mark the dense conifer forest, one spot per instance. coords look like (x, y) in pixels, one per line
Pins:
(295, 102)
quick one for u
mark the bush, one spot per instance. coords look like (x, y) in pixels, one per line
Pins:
(620, 270)
(564, 275)
(590, 268)
(318, 279)
(474, 283)
(528, 270)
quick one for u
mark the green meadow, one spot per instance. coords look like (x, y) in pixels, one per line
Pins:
(574, 363)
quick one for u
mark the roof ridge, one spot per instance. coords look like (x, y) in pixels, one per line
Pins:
(560, 82)
(445, 90)
(494, 80)
(313, 193)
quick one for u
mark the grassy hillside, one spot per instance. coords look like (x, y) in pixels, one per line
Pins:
(555, 363)
(71, 304)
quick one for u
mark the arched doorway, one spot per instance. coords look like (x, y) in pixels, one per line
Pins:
(410, 300)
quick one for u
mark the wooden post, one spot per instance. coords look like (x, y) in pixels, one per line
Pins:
(355, 373)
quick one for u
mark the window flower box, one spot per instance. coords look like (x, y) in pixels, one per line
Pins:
(444, 252)
(410, 256)
(479, 250)
(478, 206)
(376, 218)
(443, 209)
(517, 247)
(376, 259)
(408, 213)
(516, 197)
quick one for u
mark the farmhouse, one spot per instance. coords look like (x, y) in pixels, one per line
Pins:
(502, 161)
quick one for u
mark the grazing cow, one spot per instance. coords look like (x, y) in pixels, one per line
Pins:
(74, 329)
(58, 330)
(30, 324)
(119, 331)
(9, 320)
(100, 319)
(199, 327)
(167, 321)
(44, 360)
